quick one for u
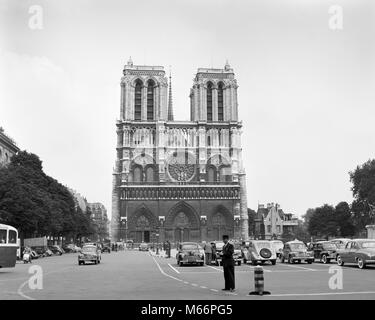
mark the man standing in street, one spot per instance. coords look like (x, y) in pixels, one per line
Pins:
(208, 253)
(228, 264)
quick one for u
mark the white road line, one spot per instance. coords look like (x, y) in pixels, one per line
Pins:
(186, 282)
(320, 294)
(214, 290)
(299, 267)
(203, 287)
(163, 273)
(194, 285)
(174, 269)
(215, 268)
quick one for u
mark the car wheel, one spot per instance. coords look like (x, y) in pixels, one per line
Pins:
(96, 262)
(361, 264)
(239, 263)
(298, 261)
(290, 260)
(180, 263)
(339, 261)
(282, 259)
(324, 259)
(254, 263)
(310, 261)
(244, 261)
(273, 262)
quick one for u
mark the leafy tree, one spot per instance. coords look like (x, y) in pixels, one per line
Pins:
(322, 223)
(344, 221)
(363, 179)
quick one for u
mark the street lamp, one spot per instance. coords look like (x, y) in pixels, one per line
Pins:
(123, 222)
(157, 245)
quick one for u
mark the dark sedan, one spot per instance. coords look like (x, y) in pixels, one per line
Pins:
(190, 253)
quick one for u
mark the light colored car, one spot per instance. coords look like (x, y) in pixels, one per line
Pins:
(261, 251)
(190, 253)
(278, 245)
(340, 243)
(296, 251)
(143, 247)
(89, 253)
(357, 251)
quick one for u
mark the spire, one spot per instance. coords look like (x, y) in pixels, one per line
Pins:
(130, 62)
(227, 66)
(170, 102)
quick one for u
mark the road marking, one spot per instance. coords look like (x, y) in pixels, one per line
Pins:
(186, 282)
(174, 269)
(215, 268)
(214, 290)
(194, 285)
(299, 267)
(203, 287)
(162, 271)
(320, 294)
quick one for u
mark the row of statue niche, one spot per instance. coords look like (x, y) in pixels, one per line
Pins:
(183, 193)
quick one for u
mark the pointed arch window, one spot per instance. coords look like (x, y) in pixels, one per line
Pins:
(138, 100)
(150, 100)
(220, 102)
(209, 101)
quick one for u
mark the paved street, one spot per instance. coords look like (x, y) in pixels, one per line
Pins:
(138, 275)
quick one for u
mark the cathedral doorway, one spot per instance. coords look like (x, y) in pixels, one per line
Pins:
(182, 228)
(218, 226)
(142, 229)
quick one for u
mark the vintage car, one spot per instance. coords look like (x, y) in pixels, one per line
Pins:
(357, 251)
(340, 243)
(190, 253)
(324, 251)
(237, 255)
(296, 251)
(89, 253)
(261, 251)
(143, 246)
(278, 245)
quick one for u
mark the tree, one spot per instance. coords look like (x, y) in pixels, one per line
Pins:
(343, 219)
(363, 179)
(322, 223)
(36, 204)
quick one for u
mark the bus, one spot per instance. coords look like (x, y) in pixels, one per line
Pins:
(8, 246)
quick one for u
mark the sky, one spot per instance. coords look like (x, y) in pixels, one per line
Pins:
(306, 85)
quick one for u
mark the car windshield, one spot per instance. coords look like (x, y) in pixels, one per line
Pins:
(297, 246)
(89, 249)
(370, 244)
(329, 246)
(263, 244)
(190, 246)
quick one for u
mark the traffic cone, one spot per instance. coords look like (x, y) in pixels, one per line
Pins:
(259, 282)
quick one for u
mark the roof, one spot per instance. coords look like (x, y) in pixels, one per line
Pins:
(6, 226)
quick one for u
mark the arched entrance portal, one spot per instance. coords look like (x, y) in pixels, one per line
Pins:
(143, 230)
(182, 223)
(218, 226)
(182, 227)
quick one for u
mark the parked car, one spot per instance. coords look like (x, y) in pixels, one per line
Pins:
(261, 251)
(237, 255)
(143, 246)
(190, 253)
(106, 248)
(340, 243)
(296, 251)
(56, 250)
(89, 253)
(324, 251)
(278, 245)
(357, 251)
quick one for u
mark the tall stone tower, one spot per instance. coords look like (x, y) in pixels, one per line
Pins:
(178, 180)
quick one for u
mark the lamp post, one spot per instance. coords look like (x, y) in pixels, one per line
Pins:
(157, 245)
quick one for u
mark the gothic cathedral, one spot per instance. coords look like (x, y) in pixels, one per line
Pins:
(178, 180)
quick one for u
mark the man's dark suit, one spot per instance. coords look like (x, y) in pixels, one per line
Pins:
(228, 266)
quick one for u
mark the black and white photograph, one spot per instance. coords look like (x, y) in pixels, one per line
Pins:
(202, 151)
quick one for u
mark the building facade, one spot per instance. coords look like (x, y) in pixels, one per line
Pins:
(100, 219)
(8, 148)
(271, 222)
(178, 180)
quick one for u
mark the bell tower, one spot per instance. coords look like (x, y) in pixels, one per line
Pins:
(144, 95)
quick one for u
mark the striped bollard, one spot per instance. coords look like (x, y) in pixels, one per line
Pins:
(259, 282)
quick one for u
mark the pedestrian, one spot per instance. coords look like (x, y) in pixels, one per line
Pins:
(213, 246)
(208, 252)
(228, 264)
(168, 248)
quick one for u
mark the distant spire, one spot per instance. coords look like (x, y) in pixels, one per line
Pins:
(227, 66)
(130, 62)
(170, 101)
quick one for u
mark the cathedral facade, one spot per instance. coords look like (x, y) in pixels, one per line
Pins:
(178, 180)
